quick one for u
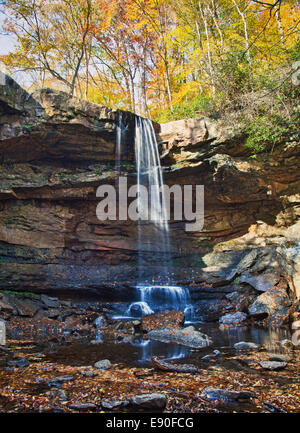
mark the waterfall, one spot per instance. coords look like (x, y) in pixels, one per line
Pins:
(120, 128)
(153, 229)
(153, 225)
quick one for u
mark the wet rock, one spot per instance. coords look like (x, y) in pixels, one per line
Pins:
(216, 354)
(114, 404)
(153, 401)
(61, 394)
(245, 345)
(161, 319)
(104, 364)
(241, 300)
(280, 358)
(82, 407)
(50, 302)
(98, 341)
(286, 344)
(187, 336)
(53, 313)
(18, 363)
(296, 324)
(226, 395)
(296, 338)
(6, 306)
(272, 365)
(38, 380)
(275, 302)
(233, 319)
(211, 310)
(89, 373)
(289, 257)
(100, 322)
(261, 283)
(25, 307)
(57, 382)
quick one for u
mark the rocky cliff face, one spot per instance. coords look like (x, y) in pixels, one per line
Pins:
(56, 150)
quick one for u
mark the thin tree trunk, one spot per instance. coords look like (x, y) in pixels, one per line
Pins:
(208, 47)
(248, 55)
(279, 25)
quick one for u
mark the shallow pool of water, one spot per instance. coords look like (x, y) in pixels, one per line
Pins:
(139, 350)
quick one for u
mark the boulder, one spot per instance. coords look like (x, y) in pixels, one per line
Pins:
(18, 363)
(57, 382)
(153, 401)
(100, 322)
(233, 319)
(245, 345)
(261, 283)
(296, 337)
(104, 364)
(215, 355)
(82, 407)
(296, 324)
(187, 336)
(275, 302)
(273, 365)
(286, 344)
(50, 302)
(162, 319)
(114, 404)
(289, 257)
(226, 395)
(279, 357)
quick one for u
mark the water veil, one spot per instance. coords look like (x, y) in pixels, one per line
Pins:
(154, 246)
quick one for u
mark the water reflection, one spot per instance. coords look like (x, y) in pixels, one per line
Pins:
(222, 338)
(149, 348)
(261, 336)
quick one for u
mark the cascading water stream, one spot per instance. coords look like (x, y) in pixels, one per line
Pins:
(153, 230)
(120, 128)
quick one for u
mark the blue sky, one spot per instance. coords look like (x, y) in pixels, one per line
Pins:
(6, 42)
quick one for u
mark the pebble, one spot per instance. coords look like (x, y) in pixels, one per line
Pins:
(104, 364)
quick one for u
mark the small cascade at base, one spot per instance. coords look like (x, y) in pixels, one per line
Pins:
(157, 298)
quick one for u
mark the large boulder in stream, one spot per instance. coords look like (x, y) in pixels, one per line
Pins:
(188, 336)
(274, 303)
(162, 319)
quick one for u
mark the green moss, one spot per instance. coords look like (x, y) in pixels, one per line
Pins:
(28, 295)
(181, 164)
(8, 222)
(289, 244)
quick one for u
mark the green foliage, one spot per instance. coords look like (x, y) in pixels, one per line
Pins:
(181, 164)
(295, 51)
(233, 75)
(265, 131)
(61, 175)
(28, 295)
(189, 108)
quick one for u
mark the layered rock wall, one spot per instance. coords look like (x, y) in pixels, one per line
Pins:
(56, 150)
